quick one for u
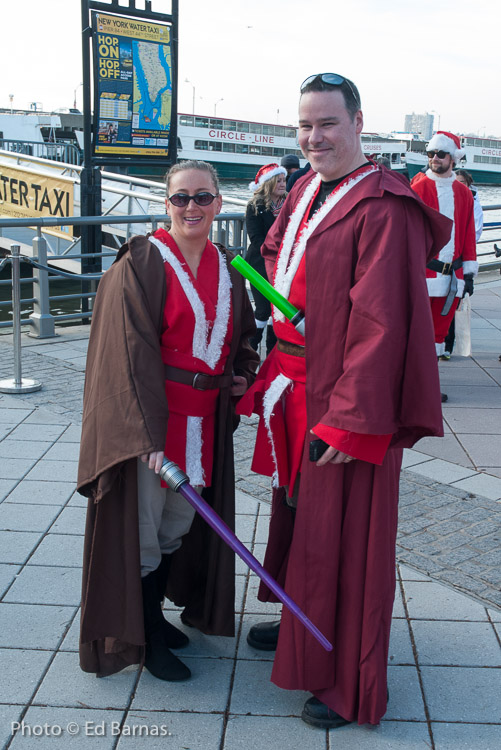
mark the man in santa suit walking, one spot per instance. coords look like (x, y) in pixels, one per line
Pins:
(349, 249)
(450, 275)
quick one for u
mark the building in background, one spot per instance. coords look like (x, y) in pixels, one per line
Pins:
(421, 124)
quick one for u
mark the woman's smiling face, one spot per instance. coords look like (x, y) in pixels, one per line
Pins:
(192, 222)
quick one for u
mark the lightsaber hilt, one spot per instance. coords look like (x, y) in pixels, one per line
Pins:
(172, 475)
(272, 295)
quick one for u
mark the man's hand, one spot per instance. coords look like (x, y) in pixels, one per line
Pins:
(154, 460)
(333, 456)
(239, 385)
(468, 284)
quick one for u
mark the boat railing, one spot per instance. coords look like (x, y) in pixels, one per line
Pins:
(227, 229)
(58, 150)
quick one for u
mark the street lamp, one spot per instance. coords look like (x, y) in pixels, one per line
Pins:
(433, 112)
(11, 99)
(215, 105)
(75, 95)
(191, 84)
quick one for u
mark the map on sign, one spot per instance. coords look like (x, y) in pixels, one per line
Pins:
(133, 71)
(152, 86)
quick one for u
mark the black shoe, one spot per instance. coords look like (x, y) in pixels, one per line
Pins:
(319, 715)
(174, 638)
(161, 662)
(445, 397)
(264, 636)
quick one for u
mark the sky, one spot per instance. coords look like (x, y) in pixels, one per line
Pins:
(246, 59)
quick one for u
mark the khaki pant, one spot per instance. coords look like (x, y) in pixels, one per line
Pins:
(164, 518)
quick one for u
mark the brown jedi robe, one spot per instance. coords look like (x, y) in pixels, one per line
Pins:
(371, 368)
(125, 415)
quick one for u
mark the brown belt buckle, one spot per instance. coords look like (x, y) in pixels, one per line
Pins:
(195, 380)
(446, 270)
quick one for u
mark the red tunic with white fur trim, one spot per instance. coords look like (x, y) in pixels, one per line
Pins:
(453, 199)
(196, 336)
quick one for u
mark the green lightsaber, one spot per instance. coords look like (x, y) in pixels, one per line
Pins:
(295, 316)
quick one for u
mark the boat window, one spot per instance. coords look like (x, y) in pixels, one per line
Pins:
(241, 148)
(254, 149)
(267, 151)
(216, 124)
(268, 130)
(229, 125)
(278, 151)
(215, 146)
(290, 132)
(229, 147)
(243, 127)
(478, 142)
(185, 120)
(201, 122)
(279, 131)
(202, 145)
(255, 127)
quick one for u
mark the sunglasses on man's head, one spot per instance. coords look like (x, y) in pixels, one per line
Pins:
(440, 154)
(331, 79)
(181, 200)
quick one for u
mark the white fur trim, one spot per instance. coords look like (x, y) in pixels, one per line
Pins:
(208, 351)
(445, 196)
(266, 176)
(194, 468)
(470, 266)
(274, 393)
(292, 251)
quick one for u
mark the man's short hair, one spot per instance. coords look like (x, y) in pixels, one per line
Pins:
(350, 95)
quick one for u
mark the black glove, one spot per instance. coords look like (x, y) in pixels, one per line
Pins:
(468, 284)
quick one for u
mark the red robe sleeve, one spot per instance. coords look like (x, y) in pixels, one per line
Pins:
(371, 448)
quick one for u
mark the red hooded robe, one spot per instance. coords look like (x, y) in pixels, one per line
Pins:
(370, 369)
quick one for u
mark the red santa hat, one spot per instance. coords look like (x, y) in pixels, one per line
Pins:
(266, 173)
(444, 141)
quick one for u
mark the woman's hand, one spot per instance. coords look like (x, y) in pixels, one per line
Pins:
(239, 385)
(154, 460)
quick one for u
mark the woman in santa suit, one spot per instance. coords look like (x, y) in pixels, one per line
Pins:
(174, 319)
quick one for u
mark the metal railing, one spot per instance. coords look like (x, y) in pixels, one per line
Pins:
(58, 150)
(227, 229)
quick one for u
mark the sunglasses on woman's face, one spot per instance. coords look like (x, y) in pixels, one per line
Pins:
(181, 200)
(440, 154)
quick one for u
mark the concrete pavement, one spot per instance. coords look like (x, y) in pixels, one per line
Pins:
(445, 656)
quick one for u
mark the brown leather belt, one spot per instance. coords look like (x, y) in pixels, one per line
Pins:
(198, 380)
(288, 348)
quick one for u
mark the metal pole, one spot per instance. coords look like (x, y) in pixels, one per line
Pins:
(41, 319)
(17, 384)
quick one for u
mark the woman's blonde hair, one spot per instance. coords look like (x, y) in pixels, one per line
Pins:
(264, 194)
(182, 166)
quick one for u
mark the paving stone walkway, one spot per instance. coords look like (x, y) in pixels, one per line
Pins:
(444, 668)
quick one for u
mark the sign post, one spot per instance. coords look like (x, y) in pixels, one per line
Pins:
(131, 79)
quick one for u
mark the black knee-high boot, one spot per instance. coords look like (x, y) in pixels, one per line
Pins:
(161, 662)
(174, 638)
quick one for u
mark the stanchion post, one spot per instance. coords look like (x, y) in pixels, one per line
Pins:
(17, 384)
(42, 322)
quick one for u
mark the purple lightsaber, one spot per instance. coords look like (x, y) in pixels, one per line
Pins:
(177, 480)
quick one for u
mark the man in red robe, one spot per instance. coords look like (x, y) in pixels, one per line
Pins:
(349, 249)
(450, 275)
